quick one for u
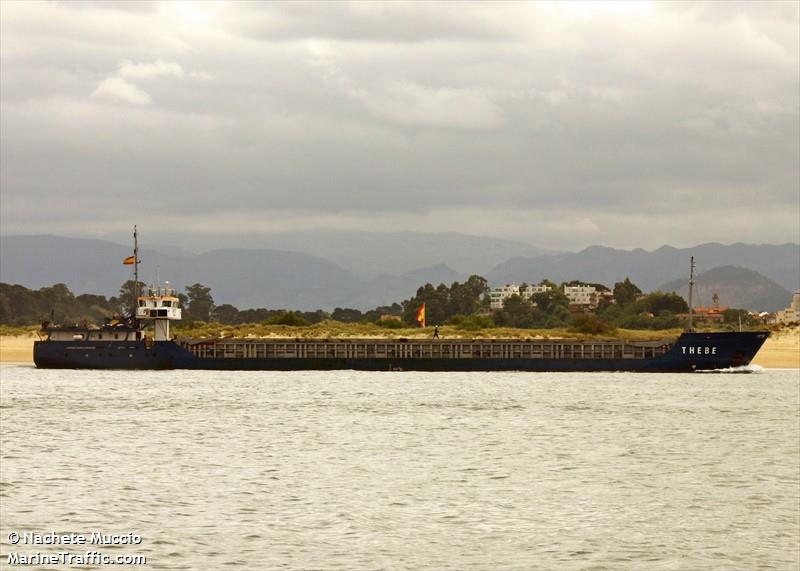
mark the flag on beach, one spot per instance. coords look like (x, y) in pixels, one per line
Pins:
(421, 315)
(128, 261)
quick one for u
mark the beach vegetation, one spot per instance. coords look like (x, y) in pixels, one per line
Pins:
(200, 302)
(459, 309)
(291, 318)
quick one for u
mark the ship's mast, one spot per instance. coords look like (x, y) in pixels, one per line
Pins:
(691, 289)
(135, 272)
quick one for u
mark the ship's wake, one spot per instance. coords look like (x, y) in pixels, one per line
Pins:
(744, 369)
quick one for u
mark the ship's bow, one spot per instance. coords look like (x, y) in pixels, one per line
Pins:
(709, 351)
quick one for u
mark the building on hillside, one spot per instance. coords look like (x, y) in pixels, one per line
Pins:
(606, 295)
(713, 314)
(586, 297)
(582, 296)
(762, 317)
(499, 295)
(530, 290)
(792, 313)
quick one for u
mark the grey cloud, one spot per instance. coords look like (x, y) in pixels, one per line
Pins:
(421, 114)
(117, 89)
(380, 22)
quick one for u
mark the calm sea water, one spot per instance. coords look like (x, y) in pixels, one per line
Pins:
(349, 470)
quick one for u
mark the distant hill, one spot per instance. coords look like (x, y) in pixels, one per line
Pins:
(244, 278)
(736, 287)
(368, 254)
(279, 278)
(86, 266)
(269, 278)
(648, 270)
(387, 289)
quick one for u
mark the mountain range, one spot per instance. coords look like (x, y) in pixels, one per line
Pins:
(368, 255)
(282, 278)
(780, 263)
(736, 287)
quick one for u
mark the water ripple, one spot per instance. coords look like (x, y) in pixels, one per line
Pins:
(348, 470)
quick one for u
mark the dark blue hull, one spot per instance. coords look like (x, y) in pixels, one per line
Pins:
(690, 352)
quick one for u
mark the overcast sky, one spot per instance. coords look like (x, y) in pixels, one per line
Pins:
(561, 125)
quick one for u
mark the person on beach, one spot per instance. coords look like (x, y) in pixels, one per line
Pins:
(436, 332)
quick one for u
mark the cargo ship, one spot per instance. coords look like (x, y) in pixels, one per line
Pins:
(128, 344)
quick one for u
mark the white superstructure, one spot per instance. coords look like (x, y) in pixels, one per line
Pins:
(159, 305)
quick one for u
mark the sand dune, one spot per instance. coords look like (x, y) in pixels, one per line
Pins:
(781, 351)
(17, 349)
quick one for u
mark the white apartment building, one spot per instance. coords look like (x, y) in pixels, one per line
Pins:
(792, 313)
(499, 295)
(584, 295)
(530, 290)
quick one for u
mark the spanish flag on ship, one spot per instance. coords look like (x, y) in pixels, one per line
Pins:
(421, 315)
(129, 261)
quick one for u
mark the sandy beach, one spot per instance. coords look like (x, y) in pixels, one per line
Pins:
(17, 348)
(781, 351)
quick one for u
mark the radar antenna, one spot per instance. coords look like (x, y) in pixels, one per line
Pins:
(136, 291)
(691, 289)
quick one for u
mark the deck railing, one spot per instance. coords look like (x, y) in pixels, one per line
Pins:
(422, 349)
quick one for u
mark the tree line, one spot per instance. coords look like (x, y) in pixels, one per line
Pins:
(22, 306)
(465, 305)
